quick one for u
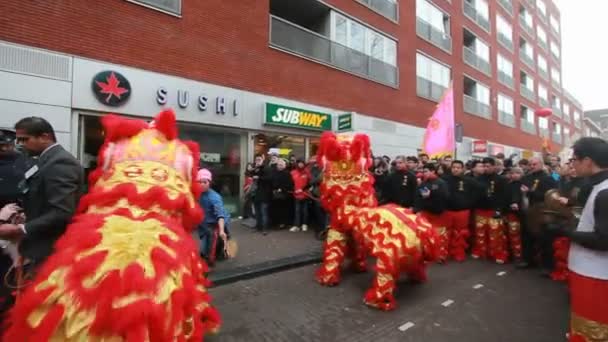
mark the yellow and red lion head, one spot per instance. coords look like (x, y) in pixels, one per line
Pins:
(345, 160)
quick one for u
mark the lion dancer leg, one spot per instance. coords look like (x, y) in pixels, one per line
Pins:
(380, 295)
(334, 252)
(480, 241)
(589, 308)
(459, 234)
(498, 241)
(440, 223)
(514, 233)
(561, 248)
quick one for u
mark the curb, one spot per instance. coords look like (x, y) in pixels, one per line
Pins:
(263, 268)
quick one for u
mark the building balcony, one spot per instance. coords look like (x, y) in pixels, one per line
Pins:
(554, 31)
(389, 9)
(555, 58)
(472, 106)
(543, 102)
(556, 84)
(505, 79)
(526, 27)
(529, 61)
(527, 126)
(471, 13)
(557, 112)
(429, 89)
(557, 137)
(543, 73)
(505, 41)
(577, 123)
(544, 132)
(472, 59)
(294, 39)
(527, 93)
(506, 119)
(507, 5)
(543, 45)
(429, 33)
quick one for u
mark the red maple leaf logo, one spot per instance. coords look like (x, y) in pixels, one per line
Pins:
(112, 87)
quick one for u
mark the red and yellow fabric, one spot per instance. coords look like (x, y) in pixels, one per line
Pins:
(561, 247)
(399, 240)
(458, 228)
(589, 309)
(440, 223)
(514, 235)
(127, 268)
(490, 240)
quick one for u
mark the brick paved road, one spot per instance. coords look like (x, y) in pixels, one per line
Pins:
(518, 306)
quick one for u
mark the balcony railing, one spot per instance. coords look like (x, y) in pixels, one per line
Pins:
(527, 93)
(297, 40)
(557, 137)
(507, 5)
(505, 79)
(389, 9)
(527, 126)
(525, 26)
(472, 59)
(543, 132)
(471, 13)
(428, 32)
(554, 31)
(428, 89)
(529, 61)
(472, 106)
(506, 119)
(556, 84)
(507, 42)
(543, 45)
(555, 57)
(542, 102)
(557, 112)
(543, 73)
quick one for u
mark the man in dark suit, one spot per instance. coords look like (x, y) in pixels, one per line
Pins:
(52, 189)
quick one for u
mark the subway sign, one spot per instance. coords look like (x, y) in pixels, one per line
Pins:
(280, 115)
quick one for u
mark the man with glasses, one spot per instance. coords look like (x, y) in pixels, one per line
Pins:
(588, 259)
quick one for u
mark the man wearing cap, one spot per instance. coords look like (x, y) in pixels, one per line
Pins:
(12, 170)
(216, 218)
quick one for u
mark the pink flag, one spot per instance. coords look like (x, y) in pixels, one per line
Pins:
(439, 136)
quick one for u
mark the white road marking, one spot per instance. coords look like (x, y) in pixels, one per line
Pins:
(478, 286)
(447, 303)
(406, 326)
(500, 274)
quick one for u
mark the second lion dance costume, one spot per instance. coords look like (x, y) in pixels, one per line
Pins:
(126, 269)
(399, 240)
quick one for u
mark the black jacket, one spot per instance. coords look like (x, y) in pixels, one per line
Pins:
(50, 202)
(494, 192)
(12, 175)
(538, 184)
(263, 183)
(400, 188)
(282, 180)
(437, 202)
(463, 192)
(516, 196)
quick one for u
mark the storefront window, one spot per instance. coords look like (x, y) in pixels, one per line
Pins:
(286, 146)
(220, 153)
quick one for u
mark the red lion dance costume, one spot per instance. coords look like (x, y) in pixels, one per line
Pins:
(395, 236)
(127, 268)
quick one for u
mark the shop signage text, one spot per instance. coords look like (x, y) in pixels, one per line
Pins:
(480, 146)
(345, 122)
(202, 101)
(296, 118)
